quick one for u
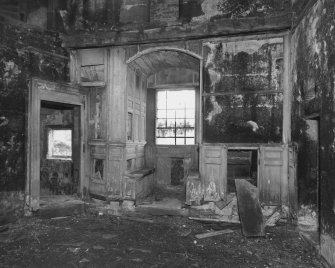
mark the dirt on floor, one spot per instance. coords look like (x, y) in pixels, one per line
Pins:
(140, 241)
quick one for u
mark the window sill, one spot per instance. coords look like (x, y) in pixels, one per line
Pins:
(59, 158)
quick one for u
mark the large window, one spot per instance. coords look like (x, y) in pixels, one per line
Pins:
(175, 117)
(59, 144)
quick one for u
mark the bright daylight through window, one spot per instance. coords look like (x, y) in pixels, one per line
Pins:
(175, 117)
(59, 144)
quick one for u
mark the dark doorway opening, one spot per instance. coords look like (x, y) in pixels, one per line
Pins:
(177, 171)
(242, 164)
(311, 211)
(59, 154)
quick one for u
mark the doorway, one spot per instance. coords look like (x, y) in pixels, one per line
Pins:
(309, 214)
(241, 164)
(59, 134)
(55, 143)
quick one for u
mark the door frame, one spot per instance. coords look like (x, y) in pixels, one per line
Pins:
(42, 90)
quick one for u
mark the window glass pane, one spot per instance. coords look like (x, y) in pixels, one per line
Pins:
(161, 113)
(180, 141)
(179, 99)
(175, 110)
(180, 132)
(190, 132)
(168, 141)
(180, 122)
(175, 100)
(161, 123)
(190, 113)
(161, 99)
(171, 123)
(171, 113)
(190, 141)
(130, 127)
(92, 73)
(190, 123)
(60, 143)
(189, 99)
(165, 132)
(180, 113)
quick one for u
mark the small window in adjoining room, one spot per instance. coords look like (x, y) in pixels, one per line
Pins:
(59, 144)
(175, 117)
(130, 127)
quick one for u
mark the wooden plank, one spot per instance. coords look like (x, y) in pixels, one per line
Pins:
(211, 234)
(249, 208)
(213, 220)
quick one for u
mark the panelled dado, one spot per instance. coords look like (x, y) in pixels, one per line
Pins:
(243, 104)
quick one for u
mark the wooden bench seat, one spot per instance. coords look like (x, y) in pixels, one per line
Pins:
(138, 184)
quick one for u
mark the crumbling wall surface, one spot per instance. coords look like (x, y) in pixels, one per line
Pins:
(11, 206)
(23, 53)
(243, 81)
(91, 15)
(313, 54)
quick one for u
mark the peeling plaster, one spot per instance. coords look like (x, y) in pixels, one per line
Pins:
(128, 7)
(210, 9)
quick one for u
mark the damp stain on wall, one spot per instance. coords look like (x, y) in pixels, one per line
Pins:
(22, 55)
(246, 79)
(313, 90)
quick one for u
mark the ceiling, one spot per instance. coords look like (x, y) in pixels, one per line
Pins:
(155, 61)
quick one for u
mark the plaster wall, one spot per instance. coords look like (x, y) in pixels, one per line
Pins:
(24, 53)
(313, 72)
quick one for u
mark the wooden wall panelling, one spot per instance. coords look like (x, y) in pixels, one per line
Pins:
(213, 171)
(136, 106)
(293, 183)
(150, 155)
(94, 64)
(116, 120)
(74, 66)
(116, 168)
(150, 116)
(98, 178)
(116, 96)
(163, 170)
(97, 113)
(160, 157)
(270, 174)
(77, 146)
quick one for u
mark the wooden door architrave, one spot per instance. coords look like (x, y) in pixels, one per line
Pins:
(41, 90)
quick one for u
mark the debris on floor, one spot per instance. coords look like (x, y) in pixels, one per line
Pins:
(308, 218)
(91, 241)
(275, 217)
(214, 233)
(214, 220)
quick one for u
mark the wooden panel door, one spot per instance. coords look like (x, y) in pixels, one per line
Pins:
(270, 174)
(213, 171)
(292, 183)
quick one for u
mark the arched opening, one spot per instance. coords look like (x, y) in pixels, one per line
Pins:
(164, 106)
